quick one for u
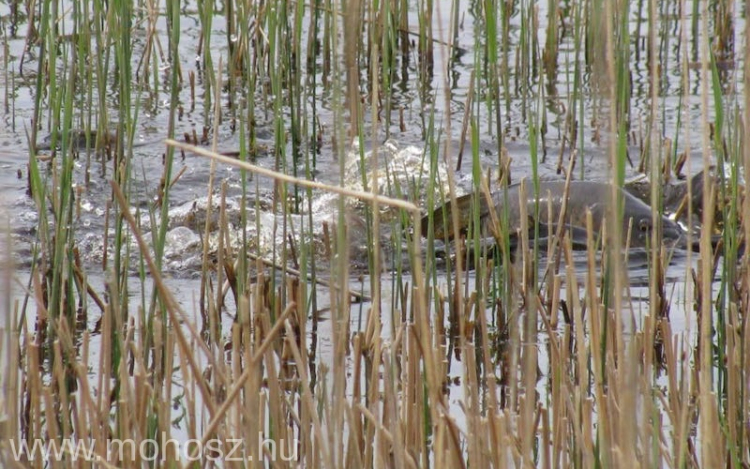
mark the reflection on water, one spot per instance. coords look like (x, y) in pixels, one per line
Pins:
(425, 129)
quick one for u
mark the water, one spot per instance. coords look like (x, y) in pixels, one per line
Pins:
(404, 154)
(93, 188)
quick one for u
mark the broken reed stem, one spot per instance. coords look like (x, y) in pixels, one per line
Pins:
(300, 181)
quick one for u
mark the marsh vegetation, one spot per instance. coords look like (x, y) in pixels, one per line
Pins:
(213, 233)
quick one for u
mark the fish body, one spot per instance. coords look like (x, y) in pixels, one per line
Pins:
(581, 197)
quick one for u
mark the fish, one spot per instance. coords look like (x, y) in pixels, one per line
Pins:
(581, 197)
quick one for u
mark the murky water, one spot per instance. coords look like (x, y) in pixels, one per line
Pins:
(593, 163)
(407, 160)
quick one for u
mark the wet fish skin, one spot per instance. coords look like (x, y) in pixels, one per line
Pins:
(672, 194)
(77, 137)
(582, 196)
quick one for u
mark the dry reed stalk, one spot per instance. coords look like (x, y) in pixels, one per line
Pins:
(307, 396)
(300, 181)
(711, 442)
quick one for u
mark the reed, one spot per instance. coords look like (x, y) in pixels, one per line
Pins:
(490, 350)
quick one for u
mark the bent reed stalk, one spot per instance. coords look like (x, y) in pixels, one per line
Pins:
(467, 354)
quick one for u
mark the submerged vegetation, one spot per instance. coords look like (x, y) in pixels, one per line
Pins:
(436, 354)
